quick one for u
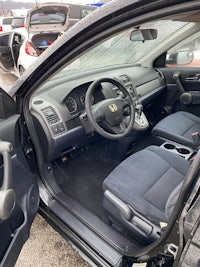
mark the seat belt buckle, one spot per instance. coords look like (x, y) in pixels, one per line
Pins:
(163, 225)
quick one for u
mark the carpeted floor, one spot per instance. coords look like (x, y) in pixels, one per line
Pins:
(82, 178)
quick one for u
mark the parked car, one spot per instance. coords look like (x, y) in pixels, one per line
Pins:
(44, 24)
(17, 52)
(99, 138)
(77, 12)
(9, 23)
(20, 47)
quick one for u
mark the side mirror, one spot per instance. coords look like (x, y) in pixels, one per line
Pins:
(143, 34)
(180, 58)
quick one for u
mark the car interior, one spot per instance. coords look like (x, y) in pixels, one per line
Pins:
(115, 144)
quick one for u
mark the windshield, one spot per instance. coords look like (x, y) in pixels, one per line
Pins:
(120, 50)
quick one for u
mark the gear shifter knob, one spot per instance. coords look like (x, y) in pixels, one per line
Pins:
(139, 109)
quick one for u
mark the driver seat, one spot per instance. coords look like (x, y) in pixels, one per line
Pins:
(141, 191)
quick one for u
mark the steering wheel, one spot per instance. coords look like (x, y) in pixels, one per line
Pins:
(112, 118)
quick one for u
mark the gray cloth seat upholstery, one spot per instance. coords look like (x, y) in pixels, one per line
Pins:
(177, 127)
(149, 183)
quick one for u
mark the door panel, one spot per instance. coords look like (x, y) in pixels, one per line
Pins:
(189, 78)
(6, 55)
(14, 228)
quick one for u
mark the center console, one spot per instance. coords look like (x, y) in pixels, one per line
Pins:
(178, 149)
(141, 121)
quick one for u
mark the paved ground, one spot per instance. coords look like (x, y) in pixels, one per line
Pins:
(45, 247)
(6, 79)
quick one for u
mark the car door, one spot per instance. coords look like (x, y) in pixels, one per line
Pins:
(6, 55)
(19, 195)
(182, 75)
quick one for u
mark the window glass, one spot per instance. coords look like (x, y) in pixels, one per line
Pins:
(4, 40)
(7, 21)
(185, 54)
(85, 12)
(120, 50)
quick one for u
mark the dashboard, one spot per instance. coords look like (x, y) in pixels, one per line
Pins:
(59, 107)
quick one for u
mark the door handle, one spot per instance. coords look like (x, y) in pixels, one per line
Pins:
(176, 77)
(185, 97)
(193, 77)
(7, 194)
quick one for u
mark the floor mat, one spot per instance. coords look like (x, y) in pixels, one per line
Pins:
(81, 177)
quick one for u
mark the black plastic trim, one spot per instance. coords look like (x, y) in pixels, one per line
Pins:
(103, 255)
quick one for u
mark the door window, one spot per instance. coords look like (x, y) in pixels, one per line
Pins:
(4, 40)
(185, 54)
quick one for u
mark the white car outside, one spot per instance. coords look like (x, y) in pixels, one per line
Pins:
(16, 51)
(9, 23)
(20, 47)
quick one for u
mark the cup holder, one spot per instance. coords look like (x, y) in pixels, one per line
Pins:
(182, 150)
(178, 149)
(169, 146)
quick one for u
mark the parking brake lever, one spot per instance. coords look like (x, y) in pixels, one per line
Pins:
(7, 194)
(185, 97)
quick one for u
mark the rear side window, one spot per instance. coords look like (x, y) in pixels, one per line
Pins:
(16, 23)
(4, 40)
(85, 12)
(7, 21)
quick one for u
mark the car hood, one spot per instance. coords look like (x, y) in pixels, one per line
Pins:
(48, 17)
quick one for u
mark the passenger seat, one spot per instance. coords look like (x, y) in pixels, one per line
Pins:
(180, 127)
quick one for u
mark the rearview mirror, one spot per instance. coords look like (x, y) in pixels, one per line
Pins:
(143, 34)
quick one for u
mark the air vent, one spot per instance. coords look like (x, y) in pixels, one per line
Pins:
(38, 102)
(51, 115)
(160, 74)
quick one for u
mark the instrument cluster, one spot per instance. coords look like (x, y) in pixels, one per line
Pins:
(75, 101)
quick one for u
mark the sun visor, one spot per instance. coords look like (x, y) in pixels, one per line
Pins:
(51, 17)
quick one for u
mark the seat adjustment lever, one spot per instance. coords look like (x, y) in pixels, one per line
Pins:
(124, 209)
(133, 218)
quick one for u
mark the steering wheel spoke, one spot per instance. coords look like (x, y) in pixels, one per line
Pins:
(116, 129)
(120, 129)
(127, 101)
(97, 114)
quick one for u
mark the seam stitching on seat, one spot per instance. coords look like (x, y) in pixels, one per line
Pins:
(157, 180)
(186, 115)
(189, 129)
(169, 162)
(155, 184)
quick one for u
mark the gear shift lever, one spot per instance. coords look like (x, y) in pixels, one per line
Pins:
(140, 118)
(139, 109)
